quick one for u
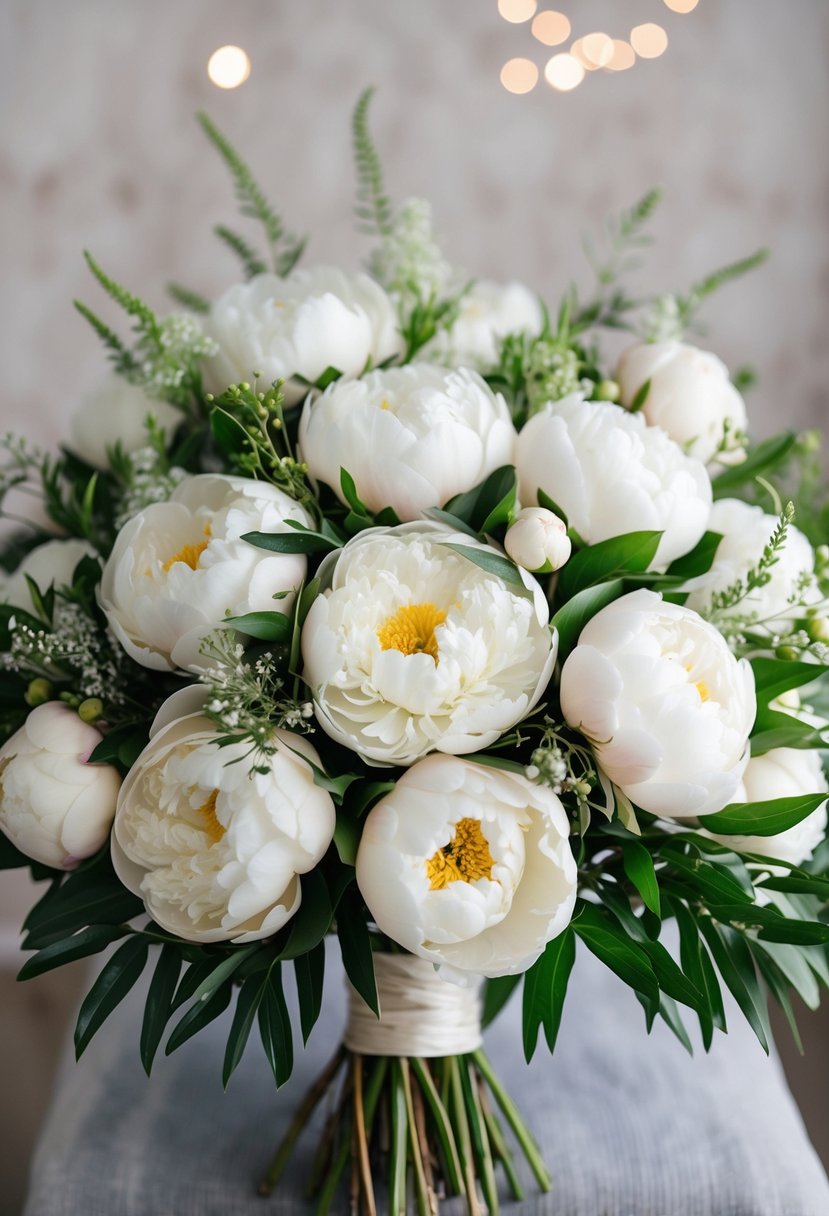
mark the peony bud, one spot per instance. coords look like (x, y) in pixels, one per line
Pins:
(538, 540)
(55, 806)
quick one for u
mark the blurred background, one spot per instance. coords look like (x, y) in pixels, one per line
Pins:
(523, 131)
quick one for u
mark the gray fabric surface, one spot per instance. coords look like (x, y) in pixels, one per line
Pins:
(630, 1125)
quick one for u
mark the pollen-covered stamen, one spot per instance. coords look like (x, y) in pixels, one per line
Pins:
(215, 830)
(466, 857)
(412, 630)
(190, 555)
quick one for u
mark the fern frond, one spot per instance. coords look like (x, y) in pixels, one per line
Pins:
(247, 255)
(118, 353)
(373, 209)
(252, 201)
(726, 274)
(146, 322)
(188, 298)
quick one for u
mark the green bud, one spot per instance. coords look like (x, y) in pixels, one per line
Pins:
(70, 698)
(607, 390)
(818, 629)
(38, 692)
(788, 653)
(244, 386)
(91, 709)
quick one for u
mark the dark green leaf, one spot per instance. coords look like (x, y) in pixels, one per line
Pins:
(763, 457)
(690, 956)
(775, 676)
(699, 560)
(313, 920)
(640, 398)
(295, 541)
(572, 617)
(247, 1004)
(790, 962)
(476, 505)
(550, 504)
(672, 1018)
(452, 521)
(604, 938)
(735, 965)
(159, 1004)
(350, 495)
(545, 987)
(355, 944)
(275, 1028)
(310, 977)
(81, 901)
(346, 837)
(762, 818)
(496, 994)
(638, 865)
(228, 433)
(492, 563)
(501, 514)
(200, 1014)
(89, 941)
(715, 883)
(267, 626)
(115, 980)
(631, 553)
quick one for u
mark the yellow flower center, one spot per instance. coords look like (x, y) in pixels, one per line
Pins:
(385, 404)
(189, 554)
(702, 689)
(207, 810)
(465, 858)
(412, 630)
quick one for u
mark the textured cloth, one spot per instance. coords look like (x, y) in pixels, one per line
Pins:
(630, 1125)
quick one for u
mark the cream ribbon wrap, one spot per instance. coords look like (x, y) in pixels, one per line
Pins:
(420, 1014)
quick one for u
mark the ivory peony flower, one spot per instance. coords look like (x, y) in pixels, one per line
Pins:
(784, 772)
(666, 706)
(179, 567)
(468, 866)
(413, 648)
(116, 413)
(214, 850)
(51, 564)
(745, 533)
(411, 437)
(538, 540)
(690, 396)
(54, 806)
(487, 313)
(300, 326)
(612, 473)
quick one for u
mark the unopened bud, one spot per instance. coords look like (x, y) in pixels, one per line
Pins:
(38, 692)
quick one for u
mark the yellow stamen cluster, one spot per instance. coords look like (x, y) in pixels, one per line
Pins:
(412, 630)
(215, 830)
(189, 554)
(465, 858)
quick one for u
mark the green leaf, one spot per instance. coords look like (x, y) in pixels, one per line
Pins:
(550, 504)
(492, 563)
(762, 818)
(310, 978)
(80, 945)
(693, 963)
(499, 762)
(350, 495)
(373, 210)
(772, 677)
(630, 553)
(294, 541)
(228, 433)
(313, 919)
(267, 626)
(713, 882)
(247, 1005)
(159, 1004)
(762, 458)
(496, 994)
(200, 1014)
(84, 899)
(501, 514)
(638, 865)
(790, 961)
(492, 498)
(545, 987)
(699, 560)
(115, 980)
(735, 965)
(640, 398)
(355, 945)
(572, 617)
(604, 938)
(275, 1028)
(346, 837)
(773, 730)
(452, 521)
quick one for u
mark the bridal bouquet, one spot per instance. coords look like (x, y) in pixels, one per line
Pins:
(379, 605)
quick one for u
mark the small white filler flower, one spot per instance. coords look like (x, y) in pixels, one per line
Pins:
(468, 866)
(214, 850)
(411, 437)
(664, 703)
(178, 568)
(413, 648)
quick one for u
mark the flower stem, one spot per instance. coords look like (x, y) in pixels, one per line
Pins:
(397, 1163)
(442, 1126)
(364, 1177)
(461, 1122)
(424, 1205)
(312, 1098)
(479, 1135)
(519, 1128)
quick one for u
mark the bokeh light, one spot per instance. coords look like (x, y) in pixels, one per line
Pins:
(517, 11)
(228, 67)
(682, 6)
(623, 56)
(551, 28)
(519, 75)
(597, 49)
(564, 72)
(649, 40)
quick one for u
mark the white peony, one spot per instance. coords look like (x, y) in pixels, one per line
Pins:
(690, 396)
(746, 531)
(179, 567)
(54, 806)
(300, 326)
(538, 540)
(487, 313)
(51, 564)
(784, 772)
(468, 866)
(411, 437)
(116, 413)
(666, 706)
(612, 473)
(214, 850)
(413, 648)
